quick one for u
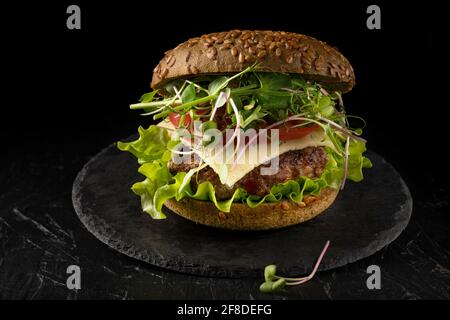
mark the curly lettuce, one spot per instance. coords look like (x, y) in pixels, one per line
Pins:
(151, 145)
(152, 152)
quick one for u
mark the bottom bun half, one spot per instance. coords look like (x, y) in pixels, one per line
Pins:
(263, 217)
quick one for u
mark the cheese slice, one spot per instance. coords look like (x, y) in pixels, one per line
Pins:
(166, 124)
(232, 169)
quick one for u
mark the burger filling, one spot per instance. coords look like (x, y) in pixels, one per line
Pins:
(309, 162)
(316, 147)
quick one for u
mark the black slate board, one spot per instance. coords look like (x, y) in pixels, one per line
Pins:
(365, 217)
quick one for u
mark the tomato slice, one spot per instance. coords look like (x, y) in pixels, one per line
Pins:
(174, 118)
(288, 132)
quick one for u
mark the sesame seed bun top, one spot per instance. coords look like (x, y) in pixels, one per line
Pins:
(276, 51)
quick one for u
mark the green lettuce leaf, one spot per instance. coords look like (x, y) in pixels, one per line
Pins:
(205, 191)
(356, 160)
(151, 190)
(151, 145)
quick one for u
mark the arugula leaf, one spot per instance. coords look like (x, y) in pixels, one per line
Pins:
(218, 84)
(188, 94)
(237, 101)
(275, 106)
(278, 94)
(273, 81)
(269, 96)
(148, 97)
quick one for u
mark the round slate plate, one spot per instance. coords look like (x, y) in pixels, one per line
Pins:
(365, 217)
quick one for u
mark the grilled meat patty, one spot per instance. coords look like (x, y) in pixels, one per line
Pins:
(309, 162)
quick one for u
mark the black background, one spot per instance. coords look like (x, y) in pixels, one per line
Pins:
(66, 92)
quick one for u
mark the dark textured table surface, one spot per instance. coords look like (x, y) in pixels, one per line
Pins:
(40, 236)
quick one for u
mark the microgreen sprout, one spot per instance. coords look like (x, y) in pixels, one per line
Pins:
(220, 101)
(347, 144)
(273, 282)
(236, 132)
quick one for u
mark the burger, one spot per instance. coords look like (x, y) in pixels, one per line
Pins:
(249, 131)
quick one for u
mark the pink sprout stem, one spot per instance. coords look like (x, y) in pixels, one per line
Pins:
(311, 275)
